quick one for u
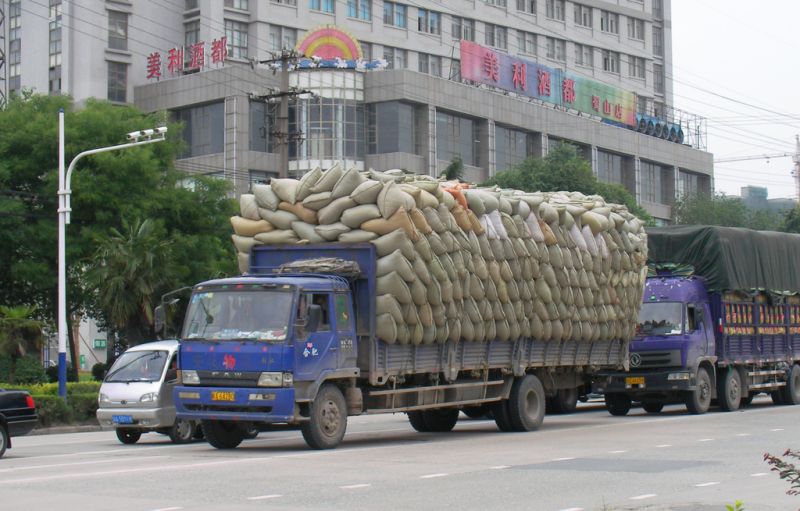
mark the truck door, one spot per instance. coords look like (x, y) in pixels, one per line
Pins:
(700, 326)
(345, 327)
(318, 350)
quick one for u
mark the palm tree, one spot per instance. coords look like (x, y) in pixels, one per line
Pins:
(128, 273)
(20, 334)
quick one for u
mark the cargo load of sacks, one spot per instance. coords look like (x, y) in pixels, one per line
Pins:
(461, 263)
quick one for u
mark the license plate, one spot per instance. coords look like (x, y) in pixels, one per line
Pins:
(222, 396)
(122, 419)
(634, 380)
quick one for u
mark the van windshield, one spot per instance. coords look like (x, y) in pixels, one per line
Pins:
(222, 314)
(138, 366)
(660, 318)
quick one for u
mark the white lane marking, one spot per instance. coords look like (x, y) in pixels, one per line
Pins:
(354, 486)
(703, 485)
(498, 467)
(759, 474)
(617, 452)
(776, 429)
(167, 509)
(706, 440)
(58, 465)
(661, 446)
(265, 497)
(742, 434)
(572, 509)
(431, 476)
(645, 496)
(562, 459)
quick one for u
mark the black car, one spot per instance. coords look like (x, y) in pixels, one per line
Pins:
(17, 416)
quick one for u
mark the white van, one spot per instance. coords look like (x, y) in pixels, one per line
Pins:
(136, 395)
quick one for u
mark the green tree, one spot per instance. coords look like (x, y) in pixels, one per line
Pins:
(791, 221)
(722, 210)
(455, 170)
(20, 333)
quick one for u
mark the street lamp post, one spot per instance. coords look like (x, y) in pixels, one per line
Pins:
(142, 137)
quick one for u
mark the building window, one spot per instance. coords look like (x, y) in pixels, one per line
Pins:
(658, 41)
(455, 70)
(366, 51)
(430, 64)
(496, 3)
(236, 33)
(658, 9)
(609, 167)
(658, 78)
(636, 29)
(611, 61)
(526, 42)
(190, 5)
(527, 6)
(285, 2)
(497, 36)
(463, 28)
(359, 9)
(584, 55)
(429, 21)
(636, 67)
(14, 43)
(261, 177)
(554, 9)
(117, 30)
(583, 15)
(203, 129)
(556, 49)
(390, 128)
(395, 15)
(282, 38)
(650, 179)
(395, 57)
(609, 22)
(322, 5)
(456, 136)
(237, 4)
(511, 147)
(191, 32)
(54, 20)
(117, 82)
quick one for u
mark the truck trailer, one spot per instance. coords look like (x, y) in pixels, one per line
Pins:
(720, 320)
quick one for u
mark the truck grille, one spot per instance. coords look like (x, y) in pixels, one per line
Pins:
(646, 359)
(228, 378)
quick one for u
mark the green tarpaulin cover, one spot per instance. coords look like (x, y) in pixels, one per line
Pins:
(730, 258)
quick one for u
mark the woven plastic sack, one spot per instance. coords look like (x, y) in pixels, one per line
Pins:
(285, 189)
(277, 237)
(328, 179)
(331, 213)
(399, 220)
(419, 221)
(243, 261)
(367, 192)
(265, 197)
(387, 304)
(393, 284)
(246, 227)
(306, 231)
(391, 198)
(386, 328)
(317, 201)
(248, 207)
(349, 181)
(332, 232)
(307, 182)
(307, 215)
(243, 244)
(395, 262)
(356, 216)
(357, 236)
(279, 218)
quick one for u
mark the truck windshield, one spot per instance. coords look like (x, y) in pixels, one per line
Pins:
(660, 318)
(260, 315)
(138, 366)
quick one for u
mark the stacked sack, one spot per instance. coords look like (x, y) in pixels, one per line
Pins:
(465, 264)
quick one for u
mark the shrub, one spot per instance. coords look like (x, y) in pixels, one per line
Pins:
(98, 371)
(52, 373)
(52, 410)
(5, 368)
(28, 369)
(84, 406)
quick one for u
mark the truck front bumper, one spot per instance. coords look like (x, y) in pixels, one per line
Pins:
(259, 404)
(640, 384)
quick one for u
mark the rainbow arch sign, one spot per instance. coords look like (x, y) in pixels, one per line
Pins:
(330, 42)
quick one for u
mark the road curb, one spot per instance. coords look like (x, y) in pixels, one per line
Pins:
(80, 428)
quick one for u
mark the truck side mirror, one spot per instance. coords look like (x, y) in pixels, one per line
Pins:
(159, 320)
(314, 317)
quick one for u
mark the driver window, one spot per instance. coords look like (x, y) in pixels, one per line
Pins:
(322, 300)
(690, 318)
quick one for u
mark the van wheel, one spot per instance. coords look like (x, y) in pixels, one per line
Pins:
(181, 432)
(791, 392)
(223, 434)
(128, 436)
(729, 390)
(526, 403)
(440, 421)
(328, 419)
(618, 404)
(417, 421)
(699, 400)
(3, 440)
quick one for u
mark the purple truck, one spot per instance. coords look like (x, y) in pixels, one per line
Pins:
(720, 320)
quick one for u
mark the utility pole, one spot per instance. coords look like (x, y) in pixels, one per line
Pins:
(285, 62)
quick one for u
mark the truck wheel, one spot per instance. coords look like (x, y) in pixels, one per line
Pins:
(251, 431)
(417, 421)
(652, 406)
(526, 403)
(777, 397)
(618, 404)
(791, 392)
(128, 435)
(746, 400)
(328, 419)
(3, 440)
(222, 434)
(181, 432)
(699, 400)
(502, 416)
(476, 412)
(729, 390)
(565, 401)
(440, 421)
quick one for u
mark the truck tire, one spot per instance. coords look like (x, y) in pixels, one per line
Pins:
(652, 406)
(729, 390)
(526, 403)
(746, 400)
(502, 416)
(222, 434)
(699, 400)
(618, 405)
(328, 419)
(251, 431)
(417, 421)
(476, 412)
(565, 401)
(3, 440)
(777, 397)
(181, 432)
(128, 436)
(791, 392)
(440, 421)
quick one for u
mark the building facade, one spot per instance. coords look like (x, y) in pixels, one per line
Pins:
(418, 114)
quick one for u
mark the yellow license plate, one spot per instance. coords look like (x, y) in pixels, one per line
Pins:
(222, 396)
(634, 380)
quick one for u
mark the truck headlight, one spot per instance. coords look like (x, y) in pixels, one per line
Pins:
(150, 397)
(678, 376)
(189, 377)
(270, 379)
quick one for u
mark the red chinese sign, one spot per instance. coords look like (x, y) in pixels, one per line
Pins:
(191, 58)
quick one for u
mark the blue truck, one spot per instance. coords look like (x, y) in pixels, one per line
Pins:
(720, 320)
(300, 349)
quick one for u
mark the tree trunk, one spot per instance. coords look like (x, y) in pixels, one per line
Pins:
(73, 347)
